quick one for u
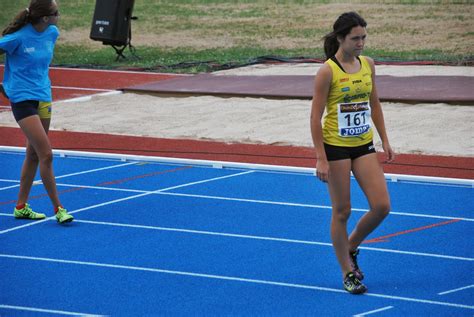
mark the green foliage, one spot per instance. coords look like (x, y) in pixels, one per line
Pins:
(236, 32)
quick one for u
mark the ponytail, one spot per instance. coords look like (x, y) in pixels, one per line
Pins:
(32, 14)
(343, 26)
(21, 19)
(331, 45)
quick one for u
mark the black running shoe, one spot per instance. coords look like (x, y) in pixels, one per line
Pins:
(355, 267)
(353, 285)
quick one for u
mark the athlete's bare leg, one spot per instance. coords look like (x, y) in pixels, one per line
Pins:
(38, 153)
(369, 174)
(339, 190)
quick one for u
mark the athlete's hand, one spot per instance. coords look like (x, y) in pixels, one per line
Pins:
(390, 154)
(322, 170)
(2, 91)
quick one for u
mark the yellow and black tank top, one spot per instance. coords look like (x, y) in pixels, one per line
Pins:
(348, 114)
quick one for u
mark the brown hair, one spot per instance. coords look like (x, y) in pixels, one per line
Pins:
(32, 14)
(341, 27)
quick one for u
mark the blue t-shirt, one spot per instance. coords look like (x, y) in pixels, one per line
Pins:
(28, 56)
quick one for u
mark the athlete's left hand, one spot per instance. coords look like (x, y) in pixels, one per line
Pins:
(390, 154)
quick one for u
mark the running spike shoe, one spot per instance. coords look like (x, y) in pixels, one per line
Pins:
(27, 213)
(353, 285)
(62, 216)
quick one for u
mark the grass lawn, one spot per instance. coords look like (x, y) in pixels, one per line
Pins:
(205, 35)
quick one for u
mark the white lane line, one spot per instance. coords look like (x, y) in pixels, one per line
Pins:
(10, 187)
(82, 88)
(232, 278)
(313, 206)
(441, 256)
(116, 189)
(89, 97)
(257, 201)
(456, 290)
(37, 182)
(374, 311)
(281, 203)
(211, 233)
(245, 236)
(9, 180)
(204, 181)
(96, 170)
(264, 238)
(125, 199)
(48, 311)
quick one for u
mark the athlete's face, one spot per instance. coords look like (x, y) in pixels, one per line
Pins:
(54, 16)
(353, 43)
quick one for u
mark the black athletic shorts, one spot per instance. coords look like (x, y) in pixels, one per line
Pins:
(25, 109)
(334, 153)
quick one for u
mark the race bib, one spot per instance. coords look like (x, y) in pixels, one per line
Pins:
(353, 118)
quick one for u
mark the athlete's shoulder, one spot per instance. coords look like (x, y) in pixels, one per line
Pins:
(325, 72)
(53, 30)
(369, 60)
(370, 63)
(330, 63)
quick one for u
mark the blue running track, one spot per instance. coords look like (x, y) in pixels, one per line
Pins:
(159, 237)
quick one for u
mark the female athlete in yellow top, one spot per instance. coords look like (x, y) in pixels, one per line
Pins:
(345, 88)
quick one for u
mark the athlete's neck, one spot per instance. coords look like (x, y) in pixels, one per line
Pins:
(40, 27)
(350, 63)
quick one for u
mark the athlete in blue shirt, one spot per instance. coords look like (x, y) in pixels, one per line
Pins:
(28, 43)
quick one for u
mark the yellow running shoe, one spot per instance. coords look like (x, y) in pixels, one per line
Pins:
(353, 285)
(27, 213)
(62, 216)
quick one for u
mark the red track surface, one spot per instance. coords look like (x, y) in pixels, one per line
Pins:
(71, 83)
(440, 166)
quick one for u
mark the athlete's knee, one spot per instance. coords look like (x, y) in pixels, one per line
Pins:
(32, 156)
(46, 158)
(341, 212)
(382, 209)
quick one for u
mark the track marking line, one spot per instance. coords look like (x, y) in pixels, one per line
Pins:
(127, 198)
(456, 290)
(280, 203)
(38, 182)
(82, 88)
(126, 190)
(48, 311)
(89, 97)
(135, 177)
(232, 278)
(10, 187)
(264, 238)
(243, 236)
(386, 237)
(203, 181)
(313, 206)
(374, 311)
(96, 170)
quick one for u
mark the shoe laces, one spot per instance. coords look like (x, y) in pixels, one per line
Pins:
(61, 213)
(27, 210)
(352, 279)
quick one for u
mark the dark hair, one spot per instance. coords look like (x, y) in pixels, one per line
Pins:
(32, 14)
(343, 26)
